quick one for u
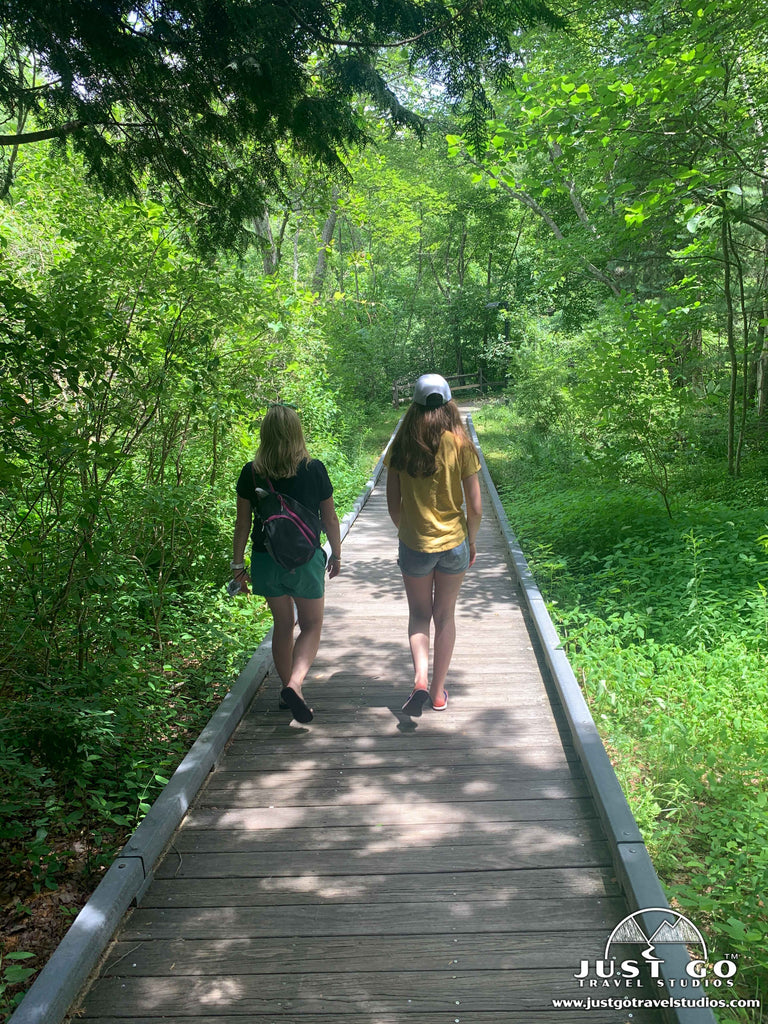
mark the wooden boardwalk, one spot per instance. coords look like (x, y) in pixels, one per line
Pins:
(373, 869)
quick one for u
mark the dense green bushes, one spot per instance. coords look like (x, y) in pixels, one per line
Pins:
(85, 750)
(666, 625)
(134, 376)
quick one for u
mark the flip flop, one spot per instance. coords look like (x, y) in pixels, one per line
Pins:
(415, 703)
(444, 705)
(301, 711)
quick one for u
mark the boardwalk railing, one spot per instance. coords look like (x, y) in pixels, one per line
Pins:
(402, 390)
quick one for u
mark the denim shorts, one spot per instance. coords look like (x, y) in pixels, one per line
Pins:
(423, 563)
(270, 579)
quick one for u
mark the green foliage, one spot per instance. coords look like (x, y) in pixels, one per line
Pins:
(631, 414)
(12, 975)
(594, 144)
(539, 384)
(664, 622)
(134, 377)
(421, 262)
(204, 99)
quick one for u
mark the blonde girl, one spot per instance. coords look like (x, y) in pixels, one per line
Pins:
(283, 461)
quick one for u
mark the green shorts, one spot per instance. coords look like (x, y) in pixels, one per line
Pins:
(270, 579)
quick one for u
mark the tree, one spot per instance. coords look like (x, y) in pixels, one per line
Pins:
(639, 144)
(419, 257)
(199, 94)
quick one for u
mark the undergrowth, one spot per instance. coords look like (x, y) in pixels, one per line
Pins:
(85, 750)
(665, 622)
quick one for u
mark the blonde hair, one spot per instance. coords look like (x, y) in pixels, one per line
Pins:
(414, 449)
(282, 449)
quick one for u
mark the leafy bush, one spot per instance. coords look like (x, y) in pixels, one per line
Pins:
(539, 390)
(134, 378)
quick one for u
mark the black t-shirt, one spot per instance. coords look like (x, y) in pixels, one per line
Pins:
(310, 486)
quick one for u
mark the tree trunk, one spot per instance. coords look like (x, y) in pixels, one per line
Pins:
(745, 354)
(270, 250)
(296, 237)
(329, 228)
(731, 342)
(762, 371)
(340, 260)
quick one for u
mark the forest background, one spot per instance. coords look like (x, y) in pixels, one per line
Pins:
(574, 201)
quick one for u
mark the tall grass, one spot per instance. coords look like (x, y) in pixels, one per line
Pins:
(665, 622)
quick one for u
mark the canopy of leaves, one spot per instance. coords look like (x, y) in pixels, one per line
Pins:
(200, 94)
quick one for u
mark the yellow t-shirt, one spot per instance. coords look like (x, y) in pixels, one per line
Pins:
(431, 513)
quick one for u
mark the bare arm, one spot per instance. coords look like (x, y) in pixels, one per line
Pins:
(332, 530)
(393, 495)
(242, 529)
(474, 502)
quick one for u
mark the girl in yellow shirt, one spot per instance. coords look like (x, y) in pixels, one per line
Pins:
(432, 472)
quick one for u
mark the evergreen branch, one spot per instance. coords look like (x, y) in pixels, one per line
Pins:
(359, 44)
(43, 135)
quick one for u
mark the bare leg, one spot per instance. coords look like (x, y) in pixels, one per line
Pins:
(418, 590)
(310, 613)
(443, 610)
(282, 635)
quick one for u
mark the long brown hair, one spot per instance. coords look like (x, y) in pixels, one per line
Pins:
(282, 448)
(414, 449)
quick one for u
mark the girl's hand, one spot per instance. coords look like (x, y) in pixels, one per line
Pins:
(241, 577)
(472, 553)
(334, 566)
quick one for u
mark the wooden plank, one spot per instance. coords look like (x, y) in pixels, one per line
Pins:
(354, 788)
(400, 994)
(351, 954)
(511, 1016)
(257, 819)
(543, 758)
(499, 856)
(490, 714)
(546, 834)
(318, 738)
(450, 918)
(465, 697)
(492, 781)
(518, 884)
(486, 704)
(348, 720)
(508, 680)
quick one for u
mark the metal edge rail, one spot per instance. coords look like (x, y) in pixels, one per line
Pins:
(630, 856)
(71, 965)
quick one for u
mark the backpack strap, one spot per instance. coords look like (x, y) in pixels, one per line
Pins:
(255, 485)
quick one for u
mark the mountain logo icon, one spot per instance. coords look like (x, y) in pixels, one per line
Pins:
(679, 930)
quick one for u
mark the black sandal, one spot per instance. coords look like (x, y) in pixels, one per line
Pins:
(301, 711)
(415, 703)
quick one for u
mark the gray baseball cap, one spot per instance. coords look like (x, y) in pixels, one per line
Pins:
(431, 390)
